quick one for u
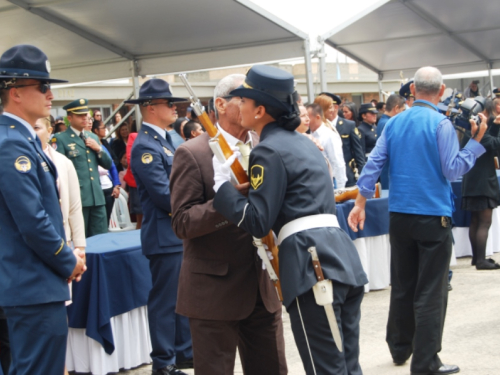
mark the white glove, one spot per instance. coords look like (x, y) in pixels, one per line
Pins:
(222, 171)
(269, 255)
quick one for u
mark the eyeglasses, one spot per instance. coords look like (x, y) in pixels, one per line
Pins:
(42, 86)
(168, 104)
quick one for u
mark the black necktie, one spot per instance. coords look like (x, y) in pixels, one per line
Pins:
(82, 136)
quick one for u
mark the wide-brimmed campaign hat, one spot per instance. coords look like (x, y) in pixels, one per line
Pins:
(155, 88)
(336, 99)
(404, 91)
(25, 62)
(269, 86)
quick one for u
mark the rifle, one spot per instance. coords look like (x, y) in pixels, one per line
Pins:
(451, 104)
(222, 151)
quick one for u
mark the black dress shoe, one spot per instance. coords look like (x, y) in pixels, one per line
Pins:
(487, 264)
(450, 288)
(169, 370)
(444, 369)
(188, 363)
(399, 362)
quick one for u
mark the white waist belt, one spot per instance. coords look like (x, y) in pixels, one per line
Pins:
(307, 222)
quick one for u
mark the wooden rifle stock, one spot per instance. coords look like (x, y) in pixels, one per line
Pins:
(236, 167)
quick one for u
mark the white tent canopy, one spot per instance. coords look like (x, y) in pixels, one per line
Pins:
(403, 35)
(91, 40)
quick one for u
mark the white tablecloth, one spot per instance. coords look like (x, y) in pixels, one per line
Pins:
(462, 243)
(375, 255)
(132, 346)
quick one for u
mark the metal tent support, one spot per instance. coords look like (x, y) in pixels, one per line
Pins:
(309, 76)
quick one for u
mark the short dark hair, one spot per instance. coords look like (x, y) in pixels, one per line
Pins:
(177, 124)
(95, 125)
(316, 109)
(393, 101)
(4, 96)
(380, 105)
(58, 126)
(189, 127)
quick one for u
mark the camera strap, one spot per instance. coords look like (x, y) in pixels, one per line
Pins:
(420, 104)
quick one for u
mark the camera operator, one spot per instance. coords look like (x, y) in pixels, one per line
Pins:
(481, 191)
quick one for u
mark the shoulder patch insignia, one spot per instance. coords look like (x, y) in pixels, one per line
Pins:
(53, 140)
(256, 176)
(356, 131)
(167, 151)
(23, 164)
(146, 158)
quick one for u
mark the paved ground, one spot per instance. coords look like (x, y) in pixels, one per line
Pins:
(471, 336)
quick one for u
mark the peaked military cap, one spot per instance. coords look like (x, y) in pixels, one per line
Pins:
(78, 107)
(496, 92)
(155, 88)
(25, 62)
(367, 107)
(404, 91)
(270, 86)
(336, 99)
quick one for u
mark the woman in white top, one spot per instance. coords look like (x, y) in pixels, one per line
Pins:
(69, 188)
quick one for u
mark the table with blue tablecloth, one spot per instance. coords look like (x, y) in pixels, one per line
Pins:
(108, 317)
(461, 222)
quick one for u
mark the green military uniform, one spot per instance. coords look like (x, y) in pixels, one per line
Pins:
(86, 162)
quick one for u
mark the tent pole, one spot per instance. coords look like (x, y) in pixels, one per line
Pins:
(322, 65)
(380, 95)
(309, 76)
(135, 82)
(490, 66)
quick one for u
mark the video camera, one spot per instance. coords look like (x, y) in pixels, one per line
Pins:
(470, 108)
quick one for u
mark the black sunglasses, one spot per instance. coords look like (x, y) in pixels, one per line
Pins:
(168, 104)
(42, 86)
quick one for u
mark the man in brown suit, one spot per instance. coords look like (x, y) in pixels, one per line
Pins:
(229, 299)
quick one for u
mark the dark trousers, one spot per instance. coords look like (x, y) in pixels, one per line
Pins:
(420, 260)
(110, 202)
(4, 344)
(313, 335)
(94, 218)
(38, 335)
(259, 339)
(170, 334)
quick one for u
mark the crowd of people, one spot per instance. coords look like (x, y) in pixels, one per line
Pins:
(210, 294)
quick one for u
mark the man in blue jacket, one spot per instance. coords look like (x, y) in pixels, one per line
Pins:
(35, 262)
(421, 148)
(152, 157)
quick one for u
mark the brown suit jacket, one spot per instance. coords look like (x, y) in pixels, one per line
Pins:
(221, 272)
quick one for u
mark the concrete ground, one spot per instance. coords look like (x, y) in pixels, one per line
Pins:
(471, 336)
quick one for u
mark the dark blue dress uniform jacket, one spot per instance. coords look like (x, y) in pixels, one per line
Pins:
(34, 258)
(289, 179)
(151, 161)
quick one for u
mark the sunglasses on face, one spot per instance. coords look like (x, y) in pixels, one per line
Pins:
(168, 104)
(42, 86)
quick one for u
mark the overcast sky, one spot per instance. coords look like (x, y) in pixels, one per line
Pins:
(316, 17)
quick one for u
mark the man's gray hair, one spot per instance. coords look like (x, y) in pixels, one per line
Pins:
(225, 86)
(428, 80)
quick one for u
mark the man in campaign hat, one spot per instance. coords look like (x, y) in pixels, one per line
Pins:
(85, 152)
(289, 187)
(151, 161)
(35, 262)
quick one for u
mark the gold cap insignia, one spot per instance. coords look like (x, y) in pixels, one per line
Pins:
(82, 101)
(146, 158)
(23, 164)
(247, 86)
(256, 176)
